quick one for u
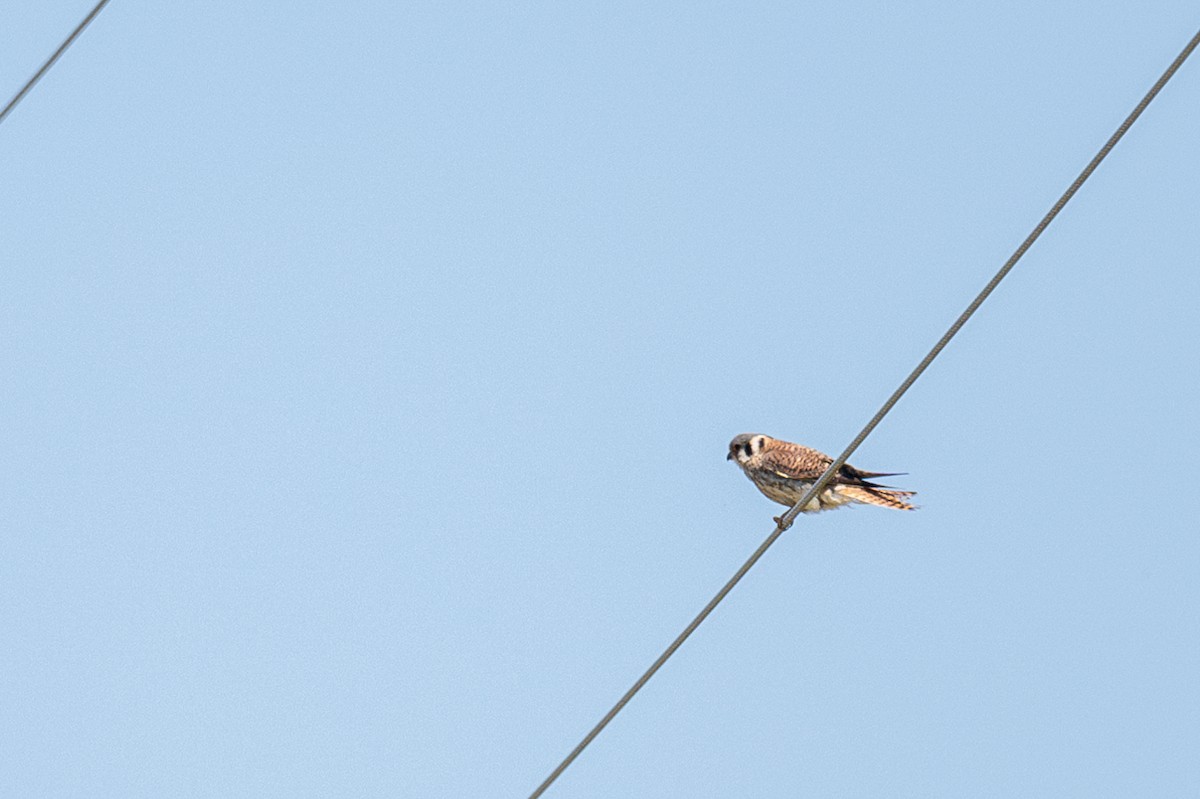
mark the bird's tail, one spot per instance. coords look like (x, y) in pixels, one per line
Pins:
(884, 497)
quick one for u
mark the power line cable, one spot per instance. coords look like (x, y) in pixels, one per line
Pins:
(788, 518)
(62, 48)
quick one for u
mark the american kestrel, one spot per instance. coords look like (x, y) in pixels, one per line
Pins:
(784, 471)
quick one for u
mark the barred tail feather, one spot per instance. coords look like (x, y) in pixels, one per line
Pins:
(884, 497)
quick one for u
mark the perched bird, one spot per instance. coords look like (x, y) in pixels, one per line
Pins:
(785, 471)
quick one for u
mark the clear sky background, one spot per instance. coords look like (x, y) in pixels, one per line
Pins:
(369, 370)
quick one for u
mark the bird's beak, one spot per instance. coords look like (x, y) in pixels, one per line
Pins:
(729, 457)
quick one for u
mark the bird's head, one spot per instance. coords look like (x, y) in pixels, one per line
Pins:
(745, 446)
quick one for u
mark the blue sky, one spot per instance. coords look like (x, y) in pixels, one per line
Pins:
(370, 371)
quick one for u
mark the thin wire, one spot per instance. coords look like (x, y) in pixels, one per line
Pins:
(788, 518)
(62, 48)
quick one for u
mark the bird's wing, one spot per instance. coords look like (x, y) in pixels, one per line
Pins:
(848, 474)
(850, 470)
(802, 463)
(796, 462)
